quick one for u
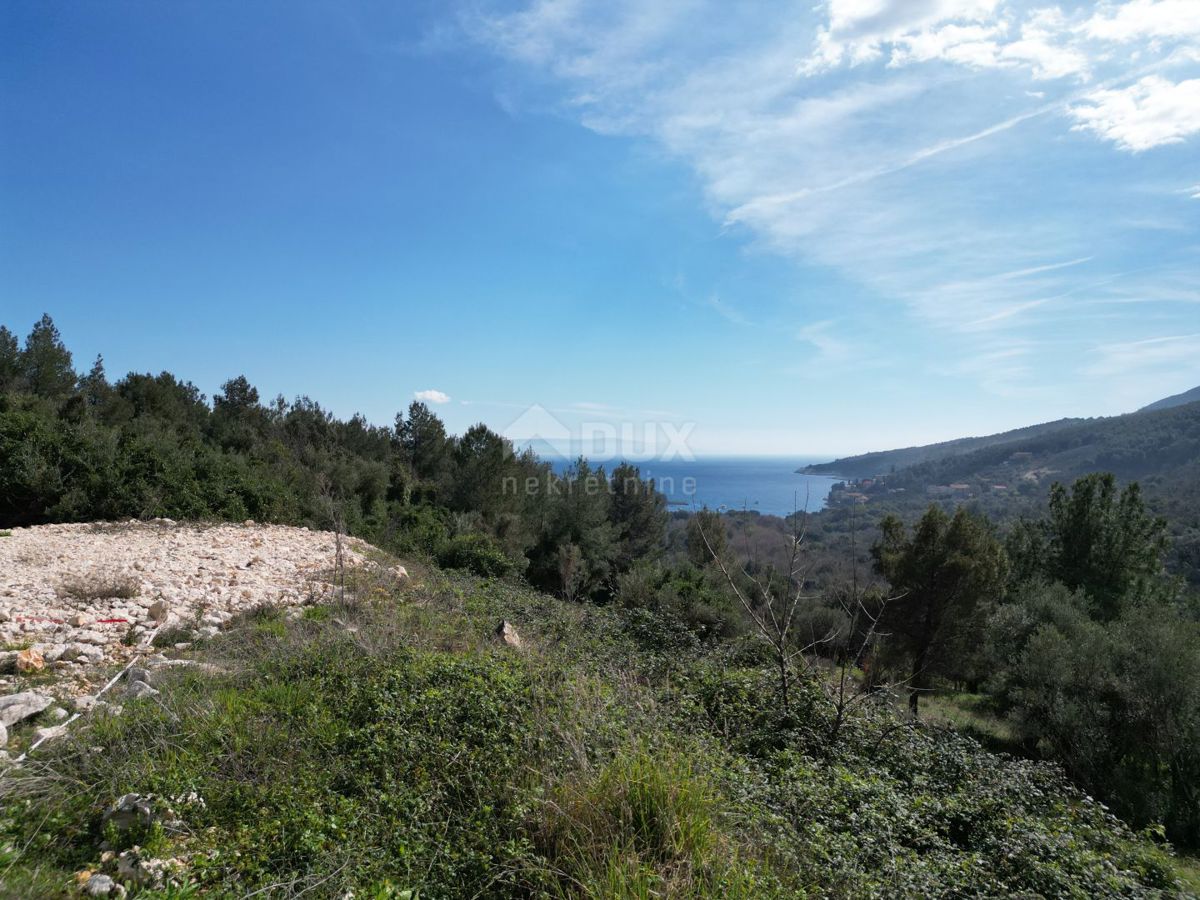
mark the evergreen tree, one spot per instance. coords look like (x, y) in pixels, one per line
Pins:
(46, 362)
(238, 420)
(1105, 543)
(939, 575)
(639, 516)
(482, 459)
(426, 445)
(10, 361)
(94, 385)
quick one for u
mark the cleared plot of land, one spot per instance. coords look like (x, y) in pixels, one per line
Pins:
(82, 595)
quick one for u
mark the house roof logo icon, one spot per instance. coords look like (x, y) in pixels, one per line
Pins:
(537, 425)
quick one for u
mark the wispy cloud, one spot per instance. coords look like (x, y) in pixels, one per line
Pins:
(1127, 356)
(725, 310)
(829, 347)
(915, 147)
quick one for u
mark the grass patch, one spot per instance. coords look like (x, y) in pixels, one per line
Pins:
(646, 825)
(176, 634)
(1187, 870)
(969, 714)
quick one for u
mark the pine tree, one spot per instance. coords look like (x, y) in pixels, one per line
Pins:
(940, 575)
(46, 362)
(10, 361)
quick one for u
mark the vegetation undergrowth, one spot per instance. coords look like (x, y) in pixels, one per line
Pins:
(389, 746)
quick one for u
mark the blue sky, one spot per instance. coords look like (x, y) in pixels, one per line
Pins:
(807, 229)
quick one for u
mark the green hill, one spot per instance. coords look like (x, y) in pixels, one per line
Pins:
(1008, 474)
(1191, 396)
(1104, 434)
(883, 462)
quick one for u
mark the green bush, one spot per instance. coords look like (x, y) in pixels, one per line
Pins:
(478, 554)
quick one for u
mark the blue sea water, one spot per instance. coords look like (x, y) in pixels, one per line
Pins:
(768, 485)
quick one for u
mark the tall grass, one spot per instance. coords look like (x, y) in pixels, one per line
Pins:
(644, 825)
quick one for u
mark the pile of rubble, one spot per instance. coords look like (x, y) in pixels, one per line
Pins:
(76, 597)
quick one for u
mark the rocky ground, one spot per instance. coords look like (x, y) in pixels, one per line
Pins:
(77, 599)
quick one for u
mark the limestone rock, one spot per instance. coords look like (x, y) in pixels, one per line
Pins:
(506, 633)
(50, 732)
(81, 652)
(139, 690)
(30, 660)
(130, 810)
(100, 885)
(16, 707)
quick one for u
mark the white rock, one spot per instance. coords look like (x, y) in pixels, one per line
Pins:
(101, 885)
(139, 690)
(53, 652)
(49, 733)
(15, 707)
(81, 652)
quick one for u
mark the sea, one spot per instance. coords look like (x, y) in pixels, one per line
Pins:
(766, 484)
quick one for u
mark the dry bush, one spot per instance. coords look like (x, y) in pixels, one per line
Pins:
(99, 586)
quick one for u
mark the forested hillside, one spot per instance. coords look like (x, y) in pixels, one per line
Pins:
(883, 462)
(729, 707)
(1192, 396)
(1152, 441)
(1158, 447)
(76, 448)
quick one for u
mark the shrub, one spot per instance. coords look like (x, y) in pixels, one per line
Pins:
(477, 553)
(99, 586)
(423, 529)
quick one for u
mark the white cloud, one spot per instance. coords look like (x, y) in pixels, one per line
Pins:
(1047, 42)
(1042, 48)
(973, 33)
(1152, 112)
(432, 396)
(858, 31)
(1139, 19)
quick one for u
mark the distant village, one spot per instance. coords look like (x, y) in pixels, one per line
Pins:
(862, 490)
